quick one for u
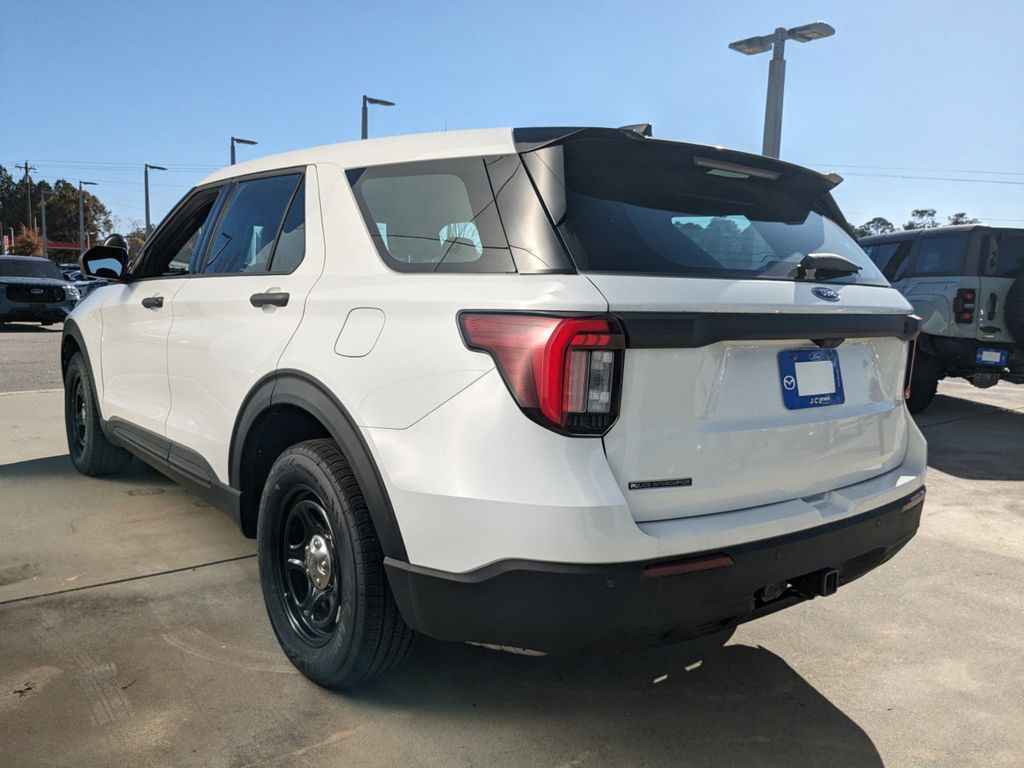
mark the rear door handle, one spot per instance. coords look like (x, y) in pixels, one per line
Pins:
(153, 302)
(276, 299)
(991, 307)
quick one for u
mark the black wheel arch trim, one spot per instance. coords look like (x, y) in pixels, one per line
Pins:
(71, 329)
(292, 387)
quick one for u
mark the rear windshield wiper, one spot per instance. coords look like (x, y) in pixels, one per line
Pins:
(824, 266)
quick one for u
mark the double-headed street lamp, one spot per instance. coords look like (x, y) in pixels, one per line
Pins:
(234, 141)
(81, 216)
(776, 43)
(145, 174)
(371, 100)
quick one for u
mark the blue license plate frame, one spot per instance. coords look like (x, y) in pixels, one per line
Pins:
(789, 382)
(1003, 357)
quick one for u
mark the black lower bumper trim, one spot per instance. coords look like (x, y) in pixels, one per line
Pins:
(565, 608)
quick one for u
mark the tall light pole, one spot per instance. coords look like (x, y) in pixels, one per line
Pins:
(42, 202)
(371, 100)
(776, 43)
(81, 216)
(145, 174)
(234, 141)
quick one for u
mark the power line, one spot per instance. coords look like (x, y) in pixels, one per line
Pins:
(921, 170)
(937, 178)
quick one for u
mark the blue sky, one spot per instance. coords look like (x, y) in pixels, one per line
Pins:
(905, 89)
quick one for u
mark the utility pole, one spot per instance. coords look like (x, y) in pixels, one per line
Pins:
(42, 201)
(28, 198)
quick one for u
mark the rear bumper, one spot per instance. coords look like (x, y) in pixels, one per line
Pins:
(563, 608)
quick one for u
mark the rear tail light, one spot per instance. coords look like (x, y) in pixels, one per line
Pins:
(964, 304)
(563, 372)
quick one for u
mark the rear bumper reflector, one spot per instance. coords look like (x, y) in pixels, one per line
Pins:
(687, 565)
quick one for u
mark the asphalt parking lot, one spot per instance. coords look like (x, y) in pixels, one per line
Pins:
(132, 632)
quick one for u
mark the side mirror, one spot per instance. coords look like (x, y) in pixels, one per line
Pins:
(106, 261)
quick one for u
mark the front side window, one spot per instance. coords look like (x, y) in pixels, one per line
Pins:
(942, 255)
(172, 251)
(249, 227)
(434, 216)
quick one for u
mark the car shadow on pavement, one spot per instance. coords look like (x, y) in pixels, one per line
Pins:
(60, 468)
(973, 440)
(741, 706)
(30, 328)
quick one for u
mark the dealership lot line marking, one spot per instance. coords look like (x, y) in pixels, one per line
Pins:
(32, 392)
(127, 579)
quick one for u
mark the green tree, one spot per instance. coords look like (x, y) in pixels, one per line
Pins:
(62, 213)
(962, 218)
(877, 226)
(921, 218)
(61, 208)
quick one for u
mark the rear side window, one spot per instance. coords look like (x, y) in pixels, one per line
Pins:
(434, 216)
(249, 227)
(942, 255)
(291, 245)
(1008, 259)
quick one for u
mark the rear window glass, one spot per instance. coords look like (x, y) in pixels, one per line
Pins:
(642, 207)
(434, 216)
(30, 268)
(942, 255)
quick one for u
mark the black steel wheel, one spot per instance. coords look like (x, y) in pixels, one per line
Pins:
(90, 451)
(322, 570)
(307, 567)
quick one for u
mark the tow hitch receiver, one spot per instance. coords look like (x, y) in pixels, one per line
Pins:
(819, 583)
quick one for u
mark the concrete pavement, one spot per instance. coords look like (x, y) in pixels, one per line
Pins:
(132, 632)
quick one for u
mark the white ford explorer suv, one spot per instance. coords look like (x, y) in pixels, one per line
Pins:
(552, 389)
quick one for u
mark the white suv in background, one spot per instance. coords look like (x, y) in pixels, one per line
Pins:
(554, 389)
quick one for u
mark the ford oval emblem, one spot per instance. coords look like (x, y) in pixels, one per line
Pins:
(825, 293)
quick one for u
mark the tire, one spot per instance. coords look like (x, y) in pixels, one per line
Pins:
(924, 381)
(1013, 311)
(91, 452)
(312, 511)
